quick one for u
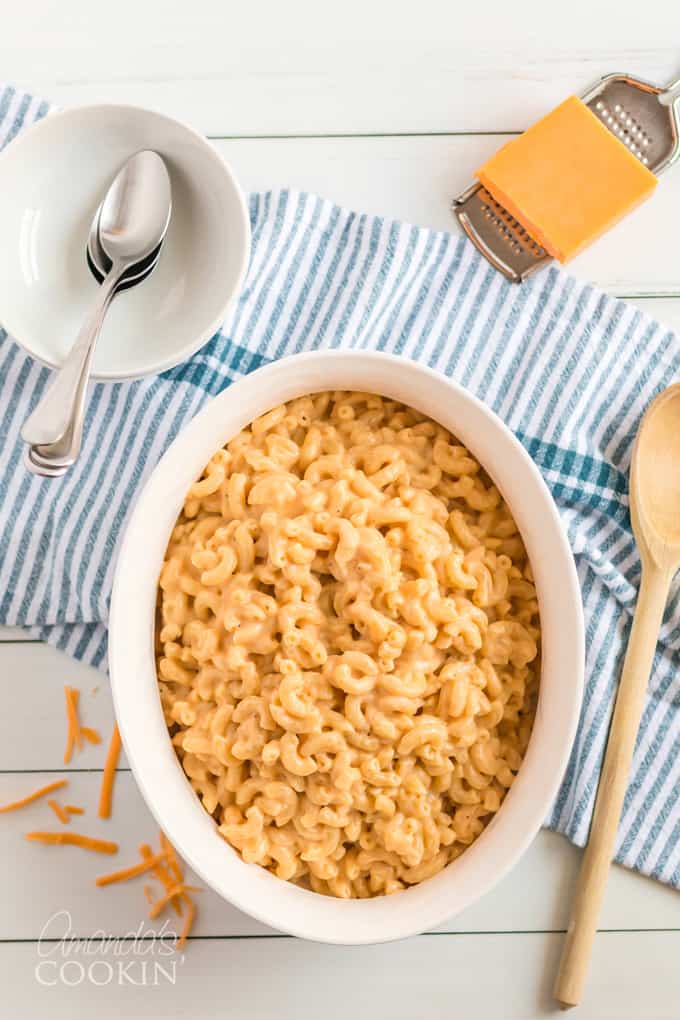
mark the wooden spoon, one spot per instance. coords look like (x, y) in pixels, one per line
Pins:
(655, 513)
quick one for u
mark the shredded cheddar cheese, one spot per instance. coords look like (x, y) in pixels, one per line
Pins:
(189, 920)
(160, 905)
(76, 734)
(171, 856)
(63, 816)
(161, 873)
(164, 865)
(34, 796)
(166, 868)
(132, 872)
(110, 766)
(73, 735)
(176, 890)
(100, 846)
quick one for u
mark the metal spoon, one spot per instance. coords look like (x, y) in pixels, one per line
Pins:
(100, 264)
(132, 223)
(655, 513)
(54, 459)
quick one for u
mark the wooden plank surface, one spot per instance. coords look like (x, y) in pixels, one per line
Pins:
(432, 977)
(300, 68)
(414, 179)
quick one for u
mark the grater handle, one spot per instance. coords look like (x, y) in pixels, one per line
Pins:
(671, 92)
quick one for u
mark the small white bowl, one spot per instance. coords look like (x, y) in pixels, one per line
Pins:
(53, 177)
(133, 674)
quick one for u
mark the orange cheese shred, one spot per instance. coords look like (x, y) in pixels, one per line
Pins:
(171, 856)
(148, 864)
(63, 816)
(176, 890)
(161, 873)
(34, 796)
(100, 846)
(73, 735)
(167, 869)
(73, 810)
(188, 921)
(168, 897)
(76, 733)
(110, 766)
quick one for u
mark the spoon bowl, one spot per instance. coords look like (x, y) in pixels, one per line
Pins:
(655, 481)
(134, 216)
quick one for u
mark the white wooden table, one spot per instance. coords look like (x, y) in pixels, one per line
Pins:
(387, 107)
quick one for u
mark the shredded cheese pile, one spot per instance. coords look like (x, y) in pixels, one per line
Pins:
(164, 865)
(166, 868)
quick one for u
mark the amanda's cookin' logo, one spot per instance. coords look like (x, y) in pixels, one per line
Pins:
(141, 957)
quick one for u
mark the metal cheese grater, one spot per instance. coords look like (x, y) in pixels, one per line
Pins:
(644, 117)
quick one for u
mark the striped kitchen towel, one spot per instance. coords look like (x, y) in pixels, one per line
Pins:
(568, 368)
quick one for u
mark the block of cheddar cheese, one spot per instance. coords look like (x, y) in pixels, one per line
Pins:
(567, 179)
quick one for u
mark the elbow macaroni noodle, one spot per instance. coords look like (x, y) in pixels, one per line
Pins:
(348, 644)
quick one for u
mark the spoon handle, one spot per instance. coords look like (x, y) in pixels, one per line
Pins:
(613, 783)
(62, 405)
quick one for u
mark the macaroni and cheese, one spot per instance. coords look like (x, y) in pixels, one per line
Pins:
(348, 644)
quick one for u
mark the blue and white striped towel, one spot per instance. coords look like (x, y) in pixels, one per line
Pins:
(568, 368)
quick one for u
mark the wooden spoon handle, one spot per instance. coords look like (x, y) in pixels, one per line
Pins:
(612, 787)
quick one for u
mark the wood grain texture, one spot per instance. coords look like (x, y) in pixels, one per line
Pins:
(414, 179)
(429, 977)
(298, 69)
